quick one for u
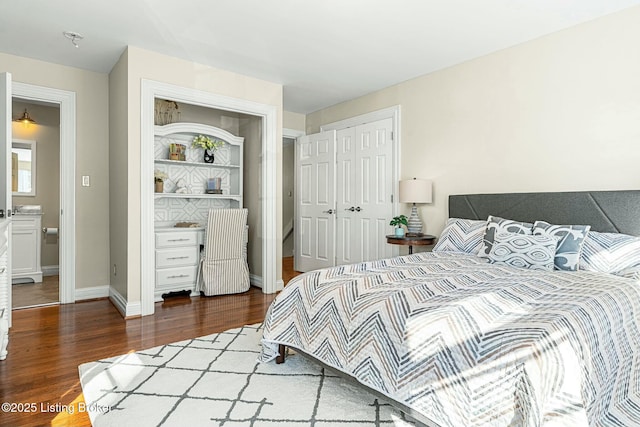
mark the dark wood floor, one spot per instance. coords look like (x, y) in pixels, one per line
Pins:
(47, 344)
(32, 294)
(288, 272)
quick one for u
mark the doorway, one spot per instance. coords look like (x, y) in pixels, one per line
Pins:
(288, 203)
(267, 171)
(65, 103)
(36, 200)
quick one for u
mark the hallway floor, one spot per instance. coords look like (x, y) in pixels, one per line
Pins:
(34, 294)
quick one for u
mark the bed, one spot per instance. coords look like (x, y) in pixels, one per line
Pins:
(469, 336)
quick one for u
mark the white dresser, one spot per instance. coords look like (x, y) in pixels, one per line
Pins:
(26, 236)
(177, 258)
(5, 289)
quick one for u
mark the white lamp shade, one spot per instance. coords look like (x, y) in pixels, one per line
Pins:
(416, 191)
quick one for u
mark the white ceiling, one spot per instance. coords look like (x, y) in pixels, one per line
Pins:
(322, 51)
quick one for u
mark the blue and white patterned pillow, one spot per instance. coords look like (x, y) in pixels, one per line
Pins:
(571, 238)
(462, 236)
(612, 253)
(524, 251)
(497, 225)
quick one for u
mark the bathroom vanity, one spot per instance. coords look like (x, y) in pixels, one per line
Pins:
(26, 239)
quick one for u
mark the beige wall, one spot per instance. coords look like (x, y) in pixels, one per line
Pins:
(144, 64)
(559, 113)
(251, 130)
(293, 121)
(119, 173)
(92, 139)
(46, 133)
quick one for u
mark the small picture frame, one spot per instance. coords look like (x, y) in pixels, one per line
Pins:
(177, 152)
(214, 186)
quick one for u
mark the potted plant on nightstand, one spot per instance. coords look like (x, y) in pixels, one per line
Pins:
(398, 222)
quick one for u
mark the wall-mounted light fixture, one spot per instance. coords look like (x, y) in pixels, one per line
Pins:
(25, 119)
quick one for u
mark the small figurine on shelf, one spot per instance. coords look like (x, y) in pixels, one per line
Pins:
(182, 187)
(159, 177)
(208, 145)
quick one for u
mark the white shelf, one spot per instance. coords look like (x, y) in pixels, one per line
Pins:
(197, 196)
(197, 164)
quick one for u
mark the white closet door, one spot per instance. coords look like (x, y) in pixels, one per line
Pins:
(348, 231)
(364, 187)
(5, 192)
(315, 190)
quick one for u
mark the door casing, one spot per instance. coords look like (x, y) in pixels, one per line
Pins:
(268, 188)
(66, 101)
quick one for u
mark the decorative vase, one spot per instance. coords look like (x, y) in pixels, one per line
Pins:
(399, 232)
(159, 186)
(208, 156)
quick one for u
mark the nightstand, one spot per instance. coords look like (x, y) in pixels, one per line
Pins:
(411, 241)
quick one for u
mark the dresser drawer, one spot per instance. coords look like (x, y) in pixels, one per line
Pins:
(172, 276)
(30, 222)
(173, 239)
(174, 257)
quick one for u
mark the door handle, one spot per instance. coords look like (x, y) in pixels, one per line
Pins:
(358, 209)
(330, 211)
(351, 209)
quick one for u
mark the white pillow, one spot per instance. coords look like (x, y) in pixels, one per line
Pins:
(462, 236)
(612, 253)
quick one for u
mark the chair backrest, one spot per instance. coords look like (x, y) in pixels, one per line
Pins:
(225, 235)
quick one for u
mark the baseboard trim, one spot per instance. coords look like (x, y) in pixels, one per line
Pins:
(255, 280)
(92, 292)
(51, 270)
(125, 308)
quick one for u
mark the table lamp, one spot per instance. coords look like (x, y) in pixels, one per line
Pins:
(415, 191)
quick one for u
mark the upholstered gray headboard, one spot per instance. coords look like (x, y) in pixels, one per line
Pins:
(605, 211)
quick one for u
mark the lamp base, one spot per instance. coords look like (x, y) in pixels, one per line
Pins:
(414, 226)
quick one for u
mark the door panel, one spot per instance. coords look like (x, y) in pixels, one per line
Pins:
(5, 192)
(366, 187)
(315, 191)
(348, 240)
(376, 158)
(5, 141)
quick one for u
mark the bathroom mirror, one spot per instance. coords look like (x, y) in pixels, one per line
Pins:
(23, 167)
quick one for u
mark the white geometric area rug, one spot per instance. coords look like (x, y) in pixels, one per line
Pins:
(217, 381)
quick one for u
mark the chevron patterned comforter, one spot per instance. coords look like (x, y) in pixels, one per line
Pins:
(467, 343)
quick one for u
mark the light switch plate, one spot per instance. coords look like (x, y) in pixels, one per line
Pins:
(85, 181)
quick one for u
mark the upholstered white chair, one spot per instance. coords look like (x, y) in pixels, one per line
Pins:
(224, 259)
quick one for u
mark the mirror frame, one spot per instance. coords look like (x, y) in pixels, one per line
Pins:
(28, 144)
